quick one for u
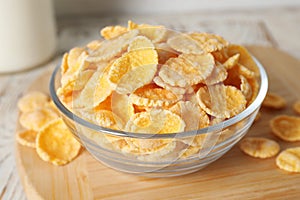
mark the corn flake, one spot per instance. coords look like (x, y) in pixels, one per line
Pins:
(296, 107)
(27, 138)
(56, 144)
(219, 74)
(275, 101)
(221, 101)
(110, 32)
(185, 44)
(289, 160)
(32, 100)
(259, 147)
(231, 61)
(286, 127)
(37, 119)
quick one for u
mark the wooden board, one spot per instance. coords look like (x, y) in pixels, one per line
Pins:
(234, 176)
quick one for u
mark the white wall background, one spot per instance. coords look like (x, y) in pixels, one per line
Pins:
(106, 7)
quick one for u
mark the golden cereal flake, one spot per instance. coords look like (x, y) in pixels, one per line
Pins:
(56, 144)
(149, 96)
(122, 106)
(245, 58)
(37, 119)
(32, 101)
(111, 48)
(64, 64)
(94, 45)
(140, 43)
(275, 101)
(246, 88)
(218, 75)
(231, 61)
(165, 52)
(286, 127)
(136, 78)
(110, 32)
(259, 147)
(187, 69)
(209, 42)
(27, 138)
(296, 107)
(185, 44)
(155, 33)
(176, 90)
(76, 57)
(221, 101)
(289, 160)
(156, 121)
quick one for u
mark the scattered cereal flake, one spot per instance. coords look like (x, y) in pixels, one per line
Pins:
(259, 147)
(245, 59)
(174, 89)
(296, 106)
(154, 33)
(219, 74)
(27, 138)
(209, 42)
(185, 44)
(94, 45)
(110, 32)
(286, 127)
(136, 78)
(156, 121)
(187, 69)
(32, 100)
(221, 101)
(193, 116)
(275, 101)
(122, 106)
(289, 160)
(37, 119)
(56, 144)
(111, 48)
(153, 97)
(231, 61)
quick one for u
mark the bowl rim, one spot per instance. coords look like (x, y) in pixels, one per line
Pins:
(214, 128)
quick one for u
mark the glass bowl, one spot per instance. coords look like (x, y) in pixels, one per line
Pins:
(173, 155)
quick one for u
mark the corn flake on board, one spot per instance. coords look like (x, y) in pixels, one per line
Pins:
(233, 176)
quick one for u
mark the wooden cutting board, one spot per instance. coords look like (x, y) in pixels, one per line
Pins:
(234, 176)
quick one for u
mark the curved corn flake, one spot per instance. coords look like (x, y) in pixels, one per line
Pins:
(246, 88)
(286, 127)
(289, 160)
(245, 58)
(56, 144)
(111, 48)
(245, 71)
(32, 101)
(110, 32)
(102, 90)
(122, 106)
(165, 52)
(174, 89)
(94, 45)
(154, 33)
(193, 116)
(221, 101)
(209, 42)
(187, 69)
(37, 119)
(136, 78)
(185, 44)
(231, 61)
(296, 107)
(75, 59)
(259, 147)
(64, 64)
(273, 100)
(219, 74)
(156, 121)
(27, 138)
(140, 43)
(153, 97)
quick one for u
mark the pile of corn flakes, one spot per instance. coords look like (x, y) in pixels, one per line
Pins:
(148, 79)
(45, 130)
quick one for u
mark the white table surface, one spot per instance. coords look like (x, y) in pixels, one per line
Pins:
(278, 28)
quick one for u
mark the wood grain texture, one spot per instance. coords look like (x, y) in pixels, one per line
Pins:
(234, 176)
